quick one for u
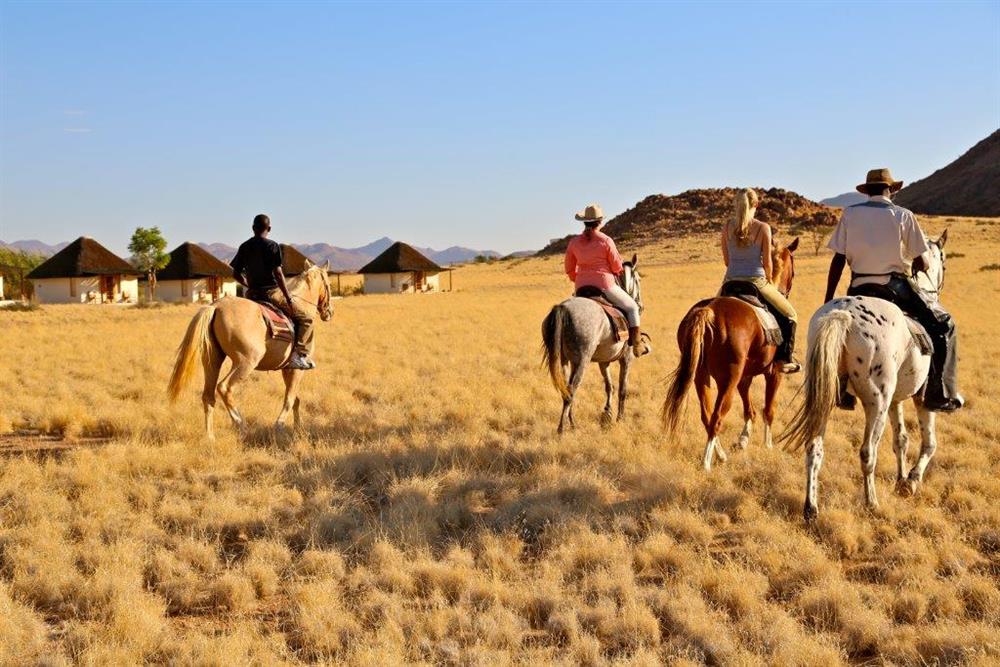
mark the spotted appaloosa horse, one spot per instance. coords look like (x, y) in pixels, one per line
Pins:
(723, 340)
(867, 341)
(577, 331)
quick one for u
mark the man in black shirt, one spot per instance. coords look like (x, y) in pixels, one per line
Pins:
(257, 266)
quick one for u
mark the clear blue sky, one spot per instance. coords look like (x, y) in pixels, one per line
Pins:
(480, 124)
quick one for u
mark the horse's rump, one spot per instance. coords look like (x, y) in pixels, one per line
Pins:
(241, 329)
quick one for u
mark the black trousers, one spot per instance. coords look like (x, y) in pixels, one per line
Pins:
(942, 382)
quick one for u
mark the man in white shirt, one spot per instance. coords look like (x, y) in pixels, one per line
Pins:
(884, 246)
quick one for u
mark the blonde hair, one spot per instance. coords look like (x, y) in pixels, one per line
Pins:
(744, 206)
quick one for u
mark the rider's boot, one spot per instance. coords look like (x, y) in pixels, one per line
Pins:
(786, 353)
(301, 361)
(636, 342)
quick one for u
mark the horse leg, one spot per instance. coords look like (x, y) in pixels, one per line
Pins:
(575, 377)
(928, 445)
(748, 412)
(900, 443)
(624, 365)
(814, 460)
(722, 403)
(211, 364)
(242, 367)
(292, 378)
(702, 385)
(773, 381)
(296, 417)
(876, 413)
(609, 388)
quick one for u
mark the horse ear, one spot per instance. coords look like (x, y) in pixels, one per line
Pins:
(943, 239)
(635, 260)
(308, 264)
(326, 266)
(794, 245)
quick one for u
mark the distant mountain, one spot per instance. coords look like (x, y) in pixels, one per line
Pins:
(351, 259)
(220, 250)
(844, 200)
(35, 247)
(968, 186)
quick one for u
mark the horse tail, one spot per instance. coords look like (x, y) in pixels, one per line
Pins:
(196, 344)
(691, 338)
(552, 345)
(822, 381)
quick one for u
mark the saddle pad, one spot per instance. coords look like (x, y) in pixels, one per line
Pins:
(920, 336)
(279, 326)
(619, 325)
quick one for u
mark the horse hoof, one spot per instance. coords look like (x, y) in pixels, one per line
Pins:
(810, 514)
(907, 487)
(743, 443)
(607, 419)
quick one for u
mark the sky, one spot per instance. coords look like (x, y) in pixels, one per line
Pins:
(477, 124)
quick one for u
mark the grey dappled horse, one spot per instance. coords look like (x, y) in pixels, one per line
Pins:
(866, 340)
(577, 331)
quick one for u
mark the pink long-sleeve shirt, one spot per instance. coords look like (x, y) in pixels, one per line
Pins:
(594, 261)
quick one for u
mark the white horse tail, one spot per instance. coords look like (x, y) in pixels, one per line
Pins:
(196, 344)
(822, 381)
(552, 340)
(691, 338)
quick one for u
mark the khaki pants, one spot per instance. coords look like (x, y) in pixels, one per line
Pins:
(300, 316)
(771, 294)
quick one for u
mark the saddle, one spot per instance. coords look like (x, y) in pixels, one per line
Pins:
(619, 325)
(918, 332)
(750, 295)
(279, 325)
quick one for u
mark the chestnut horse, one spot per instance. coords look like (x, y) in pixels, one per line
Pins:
(722, 340)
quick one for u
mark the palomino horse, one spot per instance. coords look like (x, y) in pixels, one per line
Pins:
(866, 340)
(723, 340)
(234, 328)
(577, 331)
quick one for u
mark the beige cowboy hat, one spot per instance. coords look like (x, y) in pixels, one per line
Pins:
(880, 177)
(592, 213)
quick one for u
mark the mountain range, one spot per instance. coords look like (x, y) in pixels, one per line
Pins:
(341, 259)
(352, 259)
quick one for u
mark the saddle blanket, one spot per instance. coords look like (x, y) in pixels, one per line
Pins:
(920, 336)
(279, 325)
(619, 325)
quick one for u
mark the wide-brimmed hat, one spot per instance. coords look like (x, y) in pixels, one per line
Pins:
(880, 177)
(592, 213)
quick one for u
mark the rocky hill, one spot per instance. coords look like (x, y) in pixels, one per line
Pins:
(969, 186)
(660, 217)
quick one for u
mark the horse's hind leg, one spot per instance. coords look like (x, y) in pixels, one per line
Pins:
(722, 404)
(242, 367)
(211, 364)
(292, 378)
(748, 412)
(575, 377)
(609, 388)
(876, 413)
(814, 461)
(928, 445)
(900, 443)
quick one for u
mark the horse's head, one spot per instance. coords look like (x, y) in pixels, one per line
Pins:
(783, 266)
(630, 280)
(931, 279)
(318, 280)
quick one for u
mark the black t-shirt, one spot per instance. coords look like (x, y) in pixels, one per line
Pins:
(256, 260)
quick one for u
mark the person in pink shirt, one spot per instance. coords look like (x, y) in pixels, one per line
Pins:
(592, 260)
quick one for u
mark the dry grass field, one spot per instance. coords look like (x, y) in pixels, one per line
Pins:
(427, 513)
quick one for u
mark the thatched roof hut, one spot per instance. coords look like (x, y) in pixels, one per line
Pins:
(85, 272)
(194, 275)
(401, 269)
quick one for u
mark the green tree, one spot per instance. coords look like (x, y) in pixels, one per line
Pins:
(147, 247)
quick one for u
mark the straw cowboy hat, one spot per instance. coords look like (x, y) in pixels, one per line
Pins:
(592, 213)
(880, 177)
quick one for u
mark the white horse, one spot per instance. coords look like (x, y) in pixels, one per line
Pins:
(577, 331)
(867, 341)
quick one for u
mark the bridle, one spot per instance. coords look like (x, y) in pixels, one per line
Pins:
(322, 305)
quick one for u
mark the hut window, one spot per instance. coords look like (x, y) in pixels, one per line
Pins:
(184, 288)
(72, 287)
